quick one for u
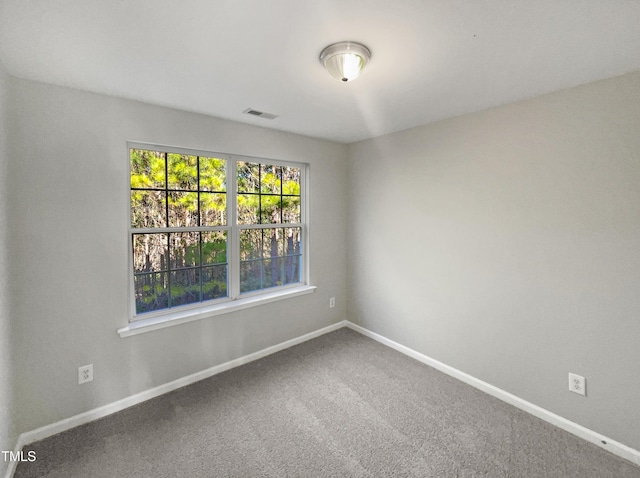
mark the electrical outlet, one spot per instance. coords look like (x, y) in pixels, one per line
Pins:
(85, 374)
(332, 302)
(577, 384)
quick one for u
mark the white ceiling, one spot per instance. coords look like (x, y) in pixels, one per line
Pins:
(431, 59)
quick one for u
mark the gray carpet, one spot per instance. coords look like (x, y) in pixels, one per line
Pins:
(340, 405)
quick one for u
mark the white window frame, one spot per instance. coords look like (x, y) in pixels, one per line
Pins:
(234, 301)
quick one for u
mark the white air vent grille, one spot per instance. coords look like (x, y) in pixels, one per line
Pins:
(261, 114)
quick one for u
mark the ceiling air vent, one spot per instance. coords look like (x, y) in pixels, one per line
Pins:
(261, 114)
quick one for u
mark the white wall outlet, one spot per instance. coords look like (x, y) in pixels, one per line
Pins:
(85, 373)
(332, 302)
(577, 384)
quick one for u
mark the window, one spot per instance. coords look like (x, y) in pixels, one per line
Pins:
(270, 225)
(209, 228)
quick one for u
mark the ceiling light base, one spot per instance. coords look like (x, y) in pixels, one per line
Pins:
(345, 60)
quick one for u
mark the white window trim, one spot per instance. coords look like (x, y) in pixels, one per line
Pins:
(182, 317)
(234, 301)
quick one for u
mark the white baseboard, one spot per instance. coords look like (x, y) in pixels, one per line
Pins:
(100, 412)
(602, 441)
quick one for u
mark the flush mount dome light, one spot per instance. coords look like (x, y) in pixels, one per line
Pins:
(345, 60)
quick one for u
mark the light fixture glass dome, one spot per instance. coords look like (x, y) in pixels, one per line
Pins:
(345, 60)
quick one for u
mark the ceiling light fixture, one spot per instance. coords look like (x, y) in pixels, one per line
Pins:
(345, 60)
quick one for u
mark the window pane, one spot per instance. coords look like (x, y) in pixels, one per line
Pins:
(151, 292)
(250, 244)
(147, 169)
(214, 248)
(183, 209)
(214, 282)
(251, 275)
(291, 209)
(212, 174)
(248, 209)
(292, 268)
(248, 177)
(291, 181)
(149, 252)
(272, 242)
(270, 179)
(148, 209)
(185, 286)
(184, 249)
(270, 257)
(270, 210)
(292, 239)
(268, 194)
(260, 274)
(273, 272)
(293, 255)
(183, 171)
(213, 209)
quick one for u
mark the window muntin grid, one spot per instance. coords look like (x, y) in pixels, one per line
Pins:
(179, 242)
(268, 193)
(268, 198)
(175, 180)
(270, 257)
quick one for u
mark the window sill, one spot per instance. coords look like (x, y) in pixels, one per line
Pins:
(155, 323)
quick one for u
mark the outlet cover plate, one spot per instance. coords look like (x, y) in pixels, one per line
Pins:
(577, 384)
(85, 374)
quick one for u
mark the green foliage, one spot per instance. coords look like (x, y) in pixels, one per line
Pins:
(267, 194)
(183, 171)
(147, 169)
(214, 252)
(248, 177)
(291, 188)
(180, 177)
(187, 191)
(212, 174)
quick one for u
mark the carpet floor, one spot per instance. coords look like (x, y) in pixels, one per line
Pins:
(341, 405)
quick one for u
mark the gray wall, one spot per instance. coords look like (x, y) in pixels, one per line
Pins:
(7, 433)
(507, 244)
(68, 181)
